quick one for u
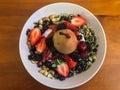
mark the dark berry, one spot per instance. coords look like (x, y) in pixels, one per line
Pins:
(79, 68)
(56, 75)
(39, 64)
(70, 74)
(33, 48)
(75, 56)
(48, 64)
(61, 57)
(79, 37)
(82, 46)
(37, 57)
(84, 54)
(30, 57)
(28, 32)
(61, 26)
(64, 18)
(61, 78)
(49, 42)
(95, 50)
(89, 48)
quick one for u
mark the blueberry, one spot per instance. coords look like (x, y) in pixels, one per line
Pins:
(48, 64)
(79, 37)
(28, 32)
(75, 56)
(61, 78)
(39, 64)
(61, 57)
(33, 48)
(49, 42)
(79, 68)
(30, 57)
(56, 75)
(37, 57)
(95, 50)
(89, 48)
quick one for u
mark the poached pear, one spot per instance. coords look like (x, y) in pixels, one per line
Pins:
(65, 41)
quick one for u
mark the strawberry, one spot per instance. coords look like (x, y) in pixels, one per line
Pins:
(35, 35)
(70, 26)
(78, 21)
(71, 62)
(63, 69)
(41, 45)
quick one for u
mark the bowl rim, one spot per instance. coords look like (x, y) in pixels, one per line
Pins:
(67, 3)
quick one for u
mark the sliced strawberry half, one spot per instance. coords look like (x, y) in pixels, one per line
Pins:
(70, 26)
(70, 61)
(35, 35)
(41, 45)
(78, 21)
(63, 69)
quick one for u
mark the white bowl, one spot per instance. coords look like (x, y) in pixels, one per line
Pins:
(60, 8)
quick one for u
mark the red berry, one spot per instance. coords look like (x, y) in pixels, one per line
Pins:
(70, 61)
(78, 21)
(35, 35)
(41, 45)
(63, 69)
(70, 26)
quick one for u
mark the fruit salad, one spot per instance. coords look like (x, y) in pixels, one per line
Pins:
(62, 45)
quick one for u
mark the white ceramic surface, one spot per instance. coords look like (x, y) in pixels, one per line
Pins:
(59, 8)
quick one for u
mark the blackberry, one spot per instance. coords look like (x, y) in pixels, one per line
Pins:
(61, 26)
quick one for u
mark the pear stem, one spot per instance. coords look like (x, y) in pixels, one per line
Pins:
(62, 33)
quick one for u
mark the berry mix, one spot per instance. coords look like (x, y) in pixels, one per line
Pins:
(62, 45)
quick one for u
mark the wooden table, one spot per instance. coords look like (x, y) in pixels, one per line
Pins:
(14, 13)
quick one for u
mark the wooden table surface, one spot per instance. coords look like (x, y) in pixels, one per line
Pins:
(14, 13)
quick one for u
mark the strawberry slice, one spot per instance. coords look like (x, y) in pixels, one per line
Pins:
(41, 45)
(78, 21)
(70, 61)
(63, 69)
(35, 35)
(70, 26)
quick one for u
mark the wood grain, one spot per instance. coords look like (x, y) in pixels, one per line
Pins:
(14, 13)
